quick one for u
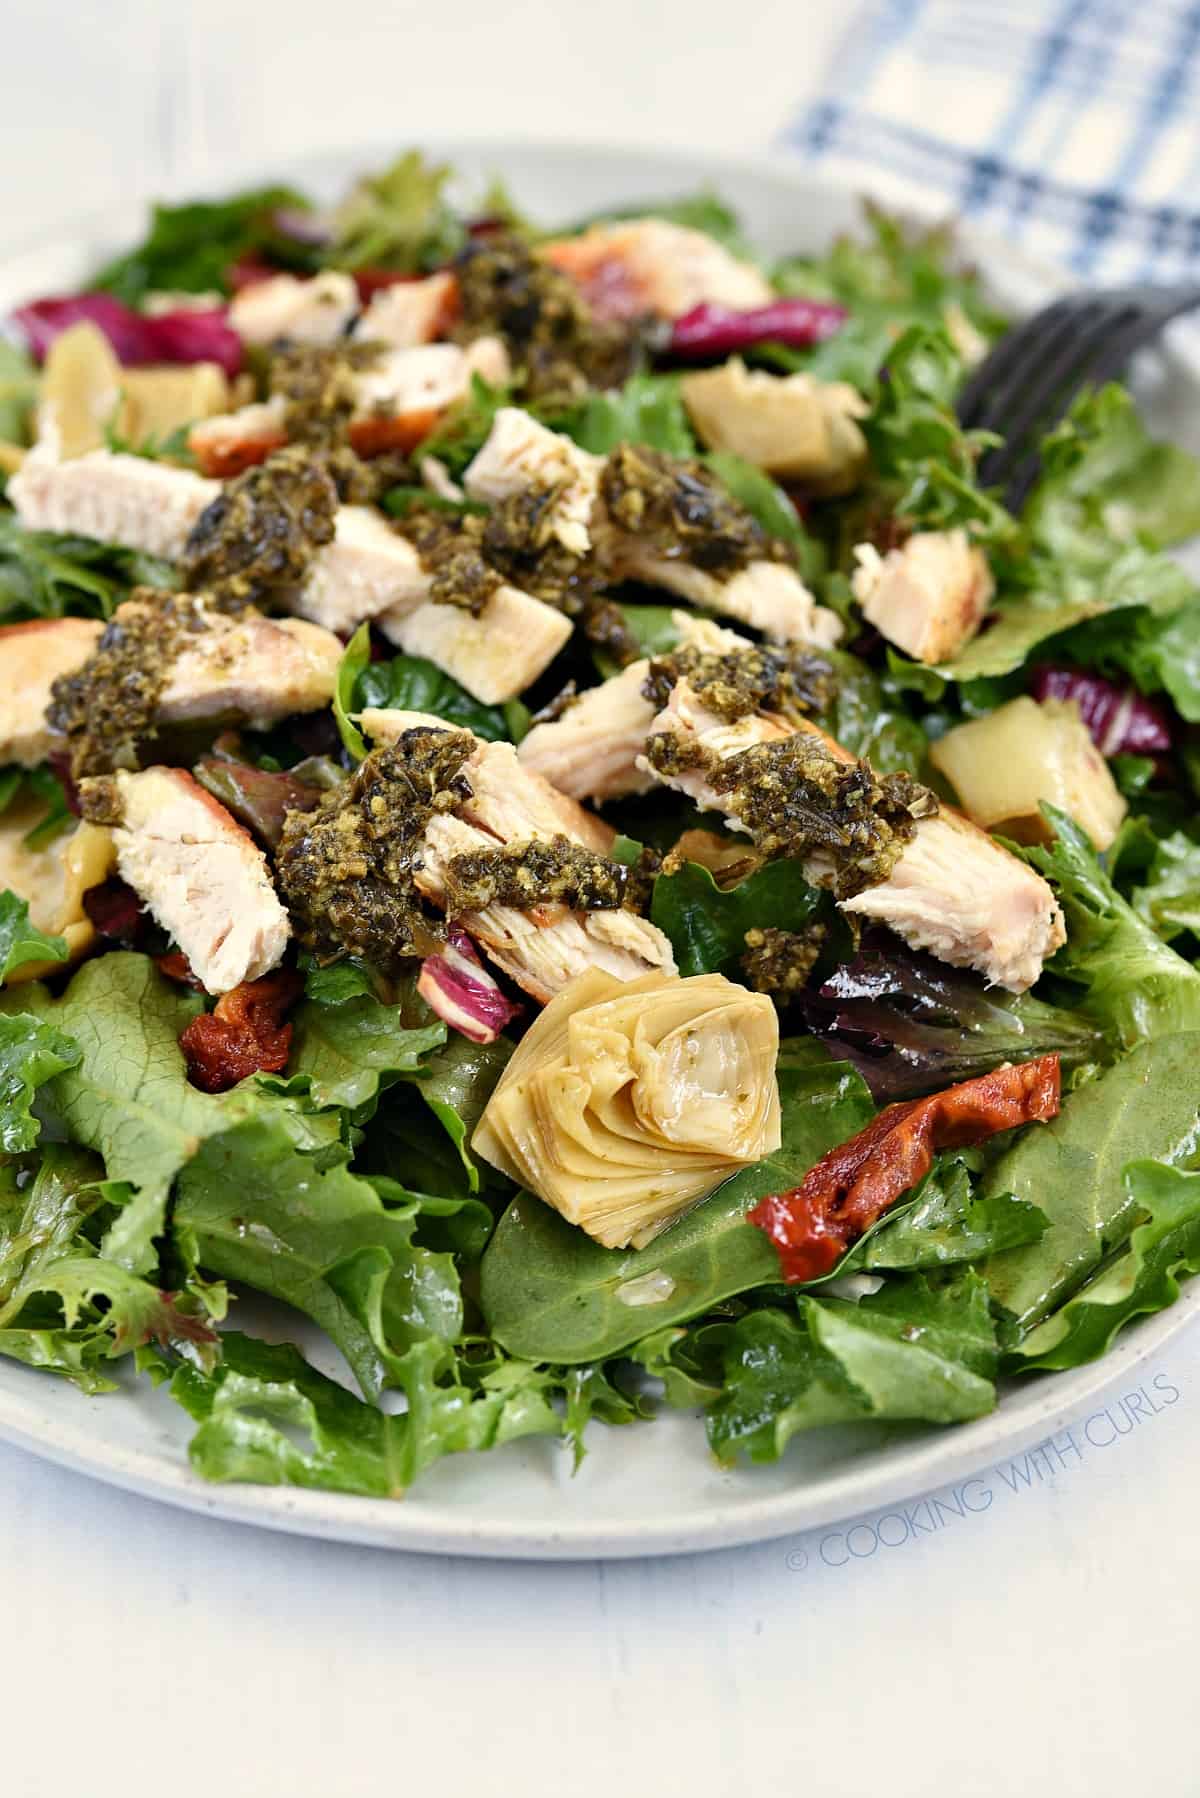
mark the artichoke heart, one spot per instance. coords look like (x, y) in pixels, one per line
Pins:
(627, 1101)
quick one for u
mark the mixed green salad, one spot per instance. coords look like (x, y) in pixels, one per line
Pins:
(552, 827)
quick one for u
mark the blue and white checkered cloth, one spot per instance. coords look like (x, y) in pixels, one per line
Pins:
(1071, 127)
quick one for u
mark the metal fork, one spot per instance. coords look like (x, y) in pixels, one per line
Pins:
(1026, 384)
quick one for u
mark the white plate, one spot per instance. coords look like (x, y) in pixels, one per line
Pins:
(649, 1489)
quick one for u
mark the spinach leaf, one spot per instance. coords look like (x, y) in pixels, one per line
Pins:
(411, 684)
(189, 248)
(707, 926)
(355, 659)
(456, 1083)
(1143, 1278)
(550, 1293)
(1071, 1169)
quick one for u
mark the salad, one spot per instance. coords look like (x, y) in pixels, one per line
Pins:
(550, 825)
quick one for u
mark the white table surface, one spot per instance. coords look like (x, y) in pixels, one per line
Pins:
(1042, 1641)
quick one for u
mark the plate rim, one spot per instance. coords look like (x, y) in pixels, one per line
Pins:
(939, 1457)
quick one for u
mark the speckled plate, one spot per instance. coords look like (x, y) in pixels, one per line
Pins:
(653, 1489)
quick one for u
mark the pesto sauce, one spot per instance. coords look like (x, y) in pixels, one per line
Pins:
(797, 800)
(541, 872)
(779, 962)
(738, 682)
(680, 512)
(452, 552)
(346, 870)
(106, 709)
(263, 529)
(557, 348)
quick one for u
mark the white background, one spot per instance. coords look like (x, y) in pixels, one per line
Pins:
(1045, 1643)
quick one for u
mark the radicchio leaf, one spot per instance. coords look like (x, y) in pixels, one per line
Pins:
(189, 335)
(456, 985)
(1120, 720)
(709, 331)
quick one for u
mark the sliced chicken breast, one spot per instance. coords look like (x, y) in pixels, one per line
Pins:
(543, 948)
(32, 657)
(591, 750)
(200, 874)
(365, 570)
(230, 443)
(115, 498)
(651, 265)
(494, 656)
(410, 312)
(314, 309)
(928, 597)
(768, 596)
(954, 890)
(519, 454)
(253, 668)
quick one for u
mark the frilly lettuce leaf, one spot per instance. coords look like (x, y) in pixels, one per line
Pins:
(1169, 898)
(349, 1050)
(944, 1224)
(917, 1349)
(22, 942)
(30, 1054)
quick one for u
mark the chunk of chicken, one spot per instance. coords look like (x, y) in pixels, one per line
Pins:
(316, 309)
(650, 265)
(116, 498)
(591, 750)
(520, 454)
(954, 891)
(794, 426)
(365, 570)
(200, 874)
(410, 312)
(53, 879)
(234, 441)
(254, 668)
(545, 947)
(768, 596)
(494, 656)
(928, 597)
(32, 658)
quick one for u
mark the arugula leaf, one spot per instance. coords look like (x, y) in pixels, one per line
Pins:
(44, 574)
(945, 1224)
(30, 1054)
(1134, 984)
(254, 1207)
(397, 219)
(707, 926)
(916, 1350)
(129, 1097)
(189, 248)
(349, 1050)
(411, 684)
(261, 1393)
(550, 1293)
(1143, 1278)
(648, 409)
(22, 942)
(1144, 1106)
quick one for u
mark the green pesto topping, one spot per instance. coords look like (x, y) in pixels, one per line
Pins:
(796, 799)
(680, 512)
(346, 870)
(779, 962)
(541, 872)
(738, 682)
(318, 386)
(106, 709)
(557, 348)
(452, 551)
(263, 529)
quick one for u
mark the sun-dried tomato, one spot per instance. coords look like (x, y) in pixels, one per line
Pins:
(849, 1188)
(244, 1034)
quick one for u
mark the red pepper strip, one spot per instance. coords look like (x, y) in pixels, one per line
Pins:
(710, 331)
(243, 1034)
(852, 1186)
